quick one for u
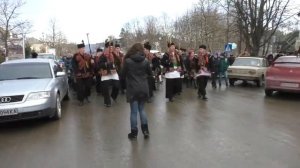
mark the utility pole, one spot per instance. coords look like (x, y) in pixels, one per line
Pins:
(87, 34)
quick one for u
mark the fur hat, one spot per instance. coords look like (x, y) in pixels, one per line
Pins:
(80, 45)
(202, 46)
(117, 45)
(108, 43)
(183, 49)
(170, 44)
(147, 46)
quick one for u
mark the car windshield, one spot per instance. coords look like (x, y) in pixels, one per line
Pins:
(25, 71)
(46, 56)
(247, 62)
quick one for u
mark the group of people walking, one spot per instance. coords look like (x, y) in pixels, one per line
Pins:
(134, 72)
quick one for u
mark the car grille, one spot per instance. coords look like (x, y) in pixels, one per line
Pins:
(11, 99)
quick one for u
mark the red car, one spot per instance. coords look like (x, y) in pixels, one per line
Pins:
(283, 75)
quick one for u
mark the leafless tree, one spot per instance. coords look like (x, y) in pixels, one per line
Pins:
(10, 22)
(258, 20)
(55, 38)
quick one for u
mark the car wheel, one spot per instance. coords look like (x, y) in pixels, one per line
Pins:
(231, 82)
(57, 114)
(268, 92)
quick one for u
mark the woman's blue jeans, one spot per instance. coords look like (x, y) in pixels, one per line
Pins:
(137, 107)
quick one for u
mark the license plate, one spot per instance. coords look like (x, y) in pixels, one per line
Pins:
(8, 112)
(291, 85)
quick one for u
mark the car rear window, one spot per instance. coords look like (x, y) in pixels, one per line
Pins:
(247, 62)
(25, 71)
(287, 62)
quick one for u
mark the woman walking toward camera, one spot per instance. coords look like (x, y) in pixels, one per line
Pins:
(136, 70)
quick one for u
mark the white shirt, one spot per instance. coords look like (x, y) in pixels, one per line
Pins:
(110, 77)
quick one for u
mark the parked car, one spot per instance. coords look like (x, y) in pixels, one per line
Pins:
(31, 88)
(283, 75)
(248, 69)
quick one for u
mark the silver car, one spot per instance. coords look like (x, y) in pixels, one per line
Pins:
(31, 88)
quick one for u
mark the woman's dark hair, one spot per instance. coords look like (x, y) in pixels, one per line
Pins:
(136, 48)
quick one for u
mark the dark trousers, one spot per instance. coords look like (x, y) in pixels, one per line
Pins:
(179, 88)
(98, 84)
(115, 84)
(214, 79)
(83, 88)
(151, 84)
(172, 87)
(202, 83)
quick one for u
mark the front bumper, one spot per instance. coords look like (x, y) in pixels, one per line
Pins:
(28, 110)
(239, 77)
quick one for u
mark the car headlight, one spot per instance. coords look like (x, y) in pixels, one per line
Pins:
(38, 96)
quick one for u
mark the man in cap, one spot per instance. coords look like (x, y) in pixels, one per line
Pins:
(109, 73)
(83, 72)
(203, 62)
(173, 67)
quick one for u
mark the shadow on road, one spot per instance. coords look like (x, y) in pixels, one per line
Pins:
(23, 125)
(285, 96)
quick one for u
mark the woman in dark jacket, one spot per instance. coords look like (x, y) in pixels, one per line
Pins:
(136, 69)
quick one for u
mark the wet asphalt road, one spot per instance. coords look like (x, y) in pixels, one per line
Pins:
(236, 128)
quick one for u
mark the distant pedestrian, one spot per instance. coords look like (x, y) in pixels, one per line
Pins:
(173, 67)
(223, 66)
(136, 70)
(213, 68)
(109, 68)
(231, 59)
(83, 71)
(34, 54)
(203, 62)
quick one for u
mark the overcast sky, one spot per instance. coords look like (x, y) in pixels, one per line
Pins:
(99, 18)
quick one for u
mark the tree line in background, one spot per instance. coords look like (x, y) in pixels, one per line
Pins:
(252, 25)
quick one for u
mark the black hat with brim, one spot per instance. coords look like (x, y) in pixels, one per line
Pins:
(117, 45)
(170, 44)
(80, 46)
(108, 43)
(147, 46)
(202, 46)
(99, 50)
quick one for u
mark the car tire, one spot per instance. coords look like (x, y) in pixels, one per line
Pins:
(268, 92)
(231, 82)
(57, 113)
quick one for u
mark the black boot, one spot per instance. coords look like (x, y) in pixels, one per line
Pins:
(145, 131)
(133, 134)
